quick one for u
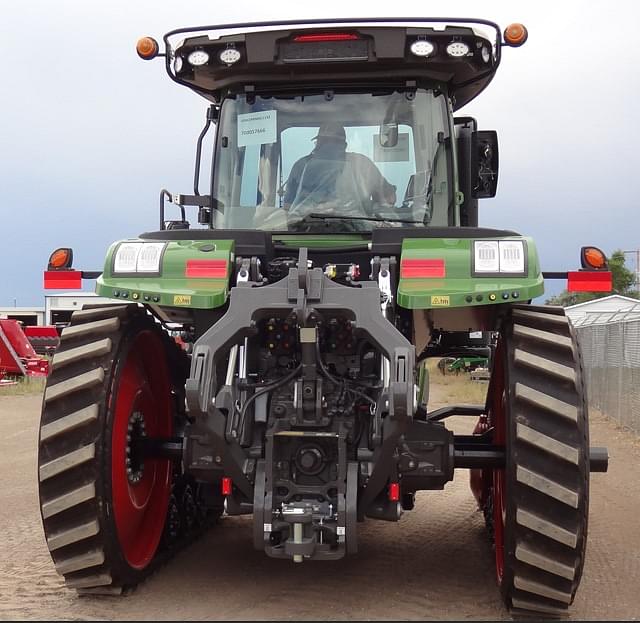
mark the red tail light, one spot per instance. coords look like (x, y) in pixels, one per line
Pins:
(394, 492)
(589, 281)
(206, 269)
(226, 486)
(326, 36)
(420, 268)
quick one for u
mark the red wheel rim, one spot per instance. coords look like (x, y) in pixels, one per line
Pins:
(140, 507)
(498, 421)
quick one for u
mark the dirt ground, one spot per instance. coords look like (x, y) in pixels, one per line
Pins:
(436, 563)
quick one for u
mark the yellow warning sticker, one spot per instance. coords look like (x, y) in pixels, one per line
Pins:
(184, 299)
(440, 301)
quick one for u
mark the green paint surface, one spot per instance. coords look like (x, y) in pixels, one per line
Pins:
(458, 288)
(171, 288)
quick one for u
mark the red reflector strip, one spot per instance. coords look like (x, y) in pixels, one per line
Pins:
(226, 486)
(394, 492)
(329, 36)
(589, 281)
(206, 269)
(62, 280)
(420, 268)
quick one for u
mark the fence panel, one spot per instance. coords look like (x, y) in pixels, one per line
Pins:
(611, 357)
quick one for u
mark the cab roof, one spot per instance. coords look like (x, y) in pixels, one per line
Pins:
(462, 55)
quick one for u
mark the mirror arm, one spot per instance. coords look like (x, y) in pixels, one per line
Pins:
(211, 116)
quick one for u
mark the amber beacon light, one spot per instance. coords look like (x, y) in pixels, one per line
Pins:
(515, 35)
(147, 48)
(61, 259)
(593, 258)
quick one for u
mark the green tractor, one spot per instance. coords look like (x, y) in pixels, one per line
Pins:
(264, 352)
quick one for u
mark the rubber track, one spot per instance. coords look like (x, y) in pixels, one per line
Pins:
(79, 536)
(547, 464)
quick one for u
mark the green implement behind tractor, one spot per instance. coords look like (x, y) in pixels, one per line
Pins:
(266, 356)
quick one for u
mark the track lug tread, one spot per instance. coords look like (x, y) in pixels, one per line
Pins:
(89, 581)
(546, 402)
(546, 563)
(69, 422)
(86, 560)
(73, 535)
(99, 327)
(545, 337)
(530, 586)
(534, 606)
(67, 461)
(68, 500)
(545, 366)
(86, 351)
(75, 384)
(547, 528)
(547, 486)
(100, 313)
(547, 444)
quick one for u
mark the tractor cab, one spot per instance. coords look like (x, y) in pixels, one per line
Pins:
(339, 127)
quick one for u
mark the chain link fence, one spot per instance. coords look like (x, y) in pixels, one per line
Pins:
(611, 355)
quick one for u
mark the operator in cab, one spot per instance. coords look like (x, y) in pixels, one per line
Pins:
(332, 181)
(330, 174)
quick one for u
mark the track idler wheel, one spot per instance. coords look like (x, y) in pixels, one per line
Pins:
(106, 508)
(539, 502)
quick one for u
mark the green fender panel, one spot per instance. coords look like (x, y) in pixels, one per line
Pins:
(439, 273)
(193, 274)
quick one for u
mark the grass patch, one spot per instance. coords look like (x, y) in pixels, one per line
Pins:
(456, 388)
(26, 386)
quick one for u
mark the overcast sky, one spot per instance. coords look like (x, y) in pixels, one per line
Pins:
(89, 133)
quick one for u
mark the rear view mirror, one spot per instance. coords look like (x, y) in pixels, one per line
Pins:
(484, 163)
(388, 134)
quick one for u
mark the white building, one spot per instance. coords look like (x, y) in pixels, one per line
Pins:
(613, 308)
(57, 308)
(29, 316)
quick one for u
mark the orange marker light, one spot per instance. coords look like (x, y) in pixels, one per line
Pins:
(593, 258)
(515, 35)
(60, 259)
(147, 48)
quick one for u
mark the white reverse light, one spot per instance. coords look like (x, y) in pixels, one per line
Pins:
(486, 259)
(504, 256)
(149, 257)
(177, 64)
(422, 48)
(486, 55)
(138, 257)
(198, 57)
(127, 257)
(229, 56)
(457, 49)
(511, 256)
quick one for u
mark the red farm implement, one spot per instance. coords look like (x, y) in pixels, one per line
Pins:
(17, 355)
